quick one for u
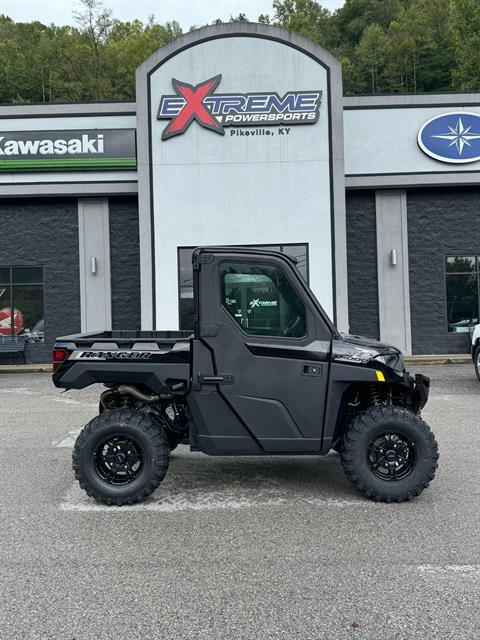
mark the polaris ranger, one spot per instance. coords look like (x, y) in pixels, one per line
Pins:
(264, 373)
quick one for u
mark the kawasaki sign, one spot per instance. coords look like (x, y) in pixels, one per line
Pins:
(74, 150)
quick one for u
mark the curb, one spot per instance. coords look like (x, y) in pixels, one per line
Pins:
(26, 368)
(449, 358)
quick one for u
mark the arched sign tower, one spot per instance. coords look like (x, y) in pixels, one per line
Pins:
(240, 141)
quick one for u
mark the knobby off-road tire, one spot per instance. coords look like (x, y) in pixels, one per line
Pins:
(121, 457)
(476, 361)
(372, 440)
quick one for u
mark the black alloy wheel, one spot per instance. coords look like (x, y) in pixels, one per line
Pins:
(391, 456)
(389, 453)
(119, 459)
(121, 456)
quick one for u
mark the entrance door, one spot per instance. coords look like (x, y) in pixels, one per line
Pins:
(268, 345)
(94, 245)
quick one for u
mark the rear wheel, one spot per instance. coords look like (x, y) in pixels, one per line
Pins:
(121, 456)
(389, 454)
(476, 361)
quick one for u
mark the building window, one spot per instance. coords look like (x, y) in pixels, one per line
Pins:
(462, 284)
(185, 275)
(21, 302)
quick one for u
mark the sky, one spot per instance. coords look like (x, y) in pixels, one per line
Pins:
(186, 12)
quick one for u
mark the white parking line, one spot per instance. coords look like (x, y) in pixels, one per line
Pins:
(69, 441)
(71, 401)
(21, 390)
(237, 490)
(173, 501)
(464, 569)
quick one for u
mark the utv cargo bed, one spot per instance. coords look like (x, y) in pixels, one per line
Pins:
(158, 360)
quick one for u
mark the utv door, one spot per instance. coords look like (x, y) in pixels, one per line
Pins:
(260, 356)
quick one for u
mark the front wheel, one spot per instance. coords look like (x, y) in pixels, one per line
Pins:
(121, 456)
(389, 454)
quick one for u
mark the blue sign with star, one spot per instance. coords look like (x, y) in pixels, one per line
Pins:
(452, 137)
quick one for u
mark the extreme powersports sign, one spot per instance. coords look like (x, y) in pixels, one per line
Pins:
(73, 150)
(217, 111)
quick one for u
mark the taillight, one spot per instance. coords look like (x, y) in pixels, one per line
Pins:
(59, 355)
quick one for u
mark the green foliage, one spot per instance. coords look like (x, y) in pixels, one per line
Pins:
(466, 38)
(370, 55)
(385, 46)
(240, 18)
(95, 60)
(306, 17)
(357, 15)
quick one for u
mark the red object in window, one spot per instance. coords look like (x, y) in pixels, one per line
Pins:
(59, 355)
(6, 321)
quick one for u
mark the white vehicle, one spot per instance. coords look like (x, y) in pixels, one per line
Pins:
(476, 349)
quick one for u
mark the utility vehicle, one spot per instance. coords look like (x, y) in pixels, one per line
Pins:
(265, 372)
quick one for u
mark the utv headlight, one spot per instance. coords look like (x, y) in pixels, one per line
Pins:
(393, 360)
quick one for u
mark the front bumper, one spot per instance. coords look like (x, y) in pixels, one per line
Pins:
(421, 391)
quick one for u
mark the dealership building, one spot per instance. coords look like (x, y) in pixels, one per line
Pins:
(240, 135)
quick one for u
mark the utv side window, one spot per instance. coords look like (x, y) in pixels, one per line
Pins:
(261, 300)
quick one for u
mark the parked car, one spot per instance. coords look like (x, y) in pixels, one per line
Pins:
(476, 349)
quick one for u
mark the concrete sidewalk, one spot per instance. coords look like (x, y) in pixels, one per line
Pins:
(452, 358)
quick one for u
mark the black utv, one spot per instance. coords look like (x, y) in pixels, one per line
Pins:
(264, 373)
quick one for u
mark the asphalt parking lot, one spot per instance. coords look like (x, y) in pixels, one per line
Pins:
(233, 547)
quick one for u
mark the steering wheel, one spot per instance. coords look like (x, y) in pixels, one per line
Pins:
(293, 324)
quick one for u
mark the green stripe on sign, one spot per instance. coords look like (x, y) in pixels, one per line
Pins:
(68, 163)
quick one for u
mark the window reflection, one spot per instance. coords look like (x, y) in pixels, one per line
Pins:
(21, 302)
(261, 300)
(185, 275)
(462, 282)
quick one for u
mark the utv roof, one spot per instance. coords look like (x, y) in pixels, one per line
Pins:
(243, 250)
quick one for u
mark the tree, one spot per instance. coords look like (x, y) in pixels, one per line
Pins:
(356, 15)
(240, 18)
(96, 23)
(400, 71)
(264, 18)
(383, 45)
(414, 51)
(128, 45)
(61, 59)
(306, 17)
(423, 31)
(370, 55)
(466, 39)
(349, 75)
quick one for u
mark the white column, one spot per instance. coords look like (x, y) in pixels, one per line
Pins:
(392, 262)
(94, 250)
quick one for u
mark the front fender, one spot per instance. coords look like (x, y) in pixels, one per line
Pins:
(343, 376)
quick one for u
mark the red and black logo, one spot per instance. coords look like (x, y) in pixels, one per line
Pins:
(216, 111)
(193, 108)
